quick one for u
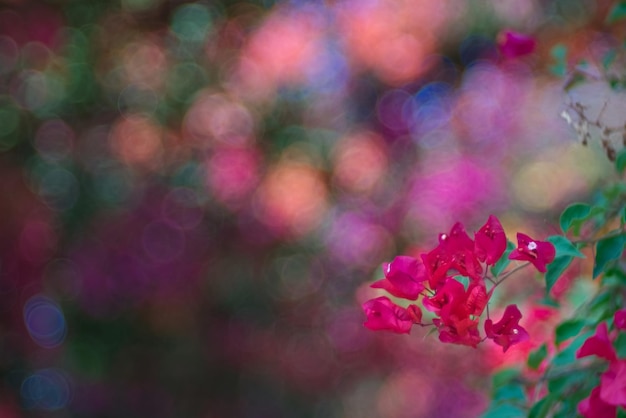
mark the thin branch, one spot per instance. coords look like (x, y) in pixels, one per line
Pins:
(615, 233)
(510, 272)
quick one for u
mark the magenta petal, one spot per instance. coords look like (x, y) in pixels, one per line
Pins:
(507, 331)
(385, 285)
(449, 335)
(451, 295)
(437, 264)
(595, 407)
(405, 275)
(539, 253)
(477, 299)
(455, 251)
(384, 315)
(598, 345)
(490, 241)
(458, 238)
(613, 384)
(620, 319)
(515, 44)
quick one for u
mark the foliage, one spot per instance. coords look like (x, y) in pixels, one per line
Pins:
(558, 380)
(567, 384)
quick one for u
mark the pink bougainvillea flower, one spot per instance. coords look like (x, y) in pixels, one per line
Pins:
(477, 298)
(539, 253)
(463, 332)
(459, 248)
(595, 407)
(613, 384)
(466, 263)
(453, 303)
(455, 308)
(455, 251)
(457, 239)
(415, 313)
(514, 44)
(437, 264)
(403, 277)
(490, 241)
(507, 331)
(620, 319)
(384, 315)
(448, 301)
(598, 345)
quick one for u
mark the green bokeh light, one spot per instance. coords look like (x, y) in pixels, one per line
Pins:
(191, 22)
(9, 123)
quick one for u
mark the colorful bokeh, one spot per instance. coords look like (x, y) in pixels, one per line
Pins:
(196, 196)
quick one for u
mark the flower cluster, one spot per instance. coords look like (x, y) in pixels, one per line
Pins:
(611, 392)
(457, 305)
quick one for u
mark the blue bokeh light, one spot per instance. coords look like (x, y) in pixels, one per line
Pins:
(44, 321)
(46, 389)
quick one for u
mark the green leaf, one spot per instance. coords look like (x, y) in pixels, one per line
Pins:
(536, 357)
(541, 408)
(504, 377)
(555, 269)
(559, 53)
(568, 355)
(614, 277)
(562, 383)
(463, 280)
(504, 411)
(504, 261)
(618, 12)
(546, 300)
(564, 246)
(510, 392)
(574, 212)
(620, 161)
(607, 250)
(569, 329)
(599, 308)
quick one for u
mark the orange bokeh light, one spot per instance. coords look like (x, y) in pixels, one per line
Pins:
(137, 140)
(281, 51)
(360, 161)
(215, 118)
(392, 38)
(292, 198)
(144, 64)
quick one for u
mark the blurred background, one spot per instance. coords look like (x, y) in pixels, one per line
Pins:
(195, 196)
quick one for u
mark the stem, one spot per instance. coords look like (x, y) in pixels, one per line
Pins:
(510, 272)
(615, 233)
(596, 367)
